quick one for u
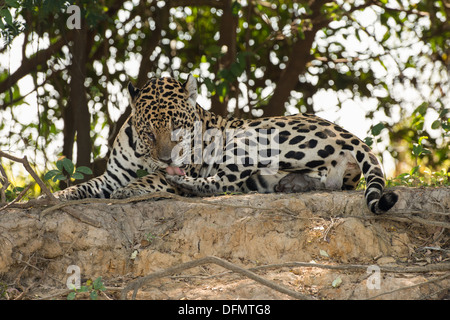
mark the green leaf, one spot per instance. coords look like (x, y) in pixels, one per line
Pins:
(443, 113)
(83, 289)
(403, 176)
(98, 284)
(94, 295)
(68, 165)
(141, 173)
(377, 129)
(84, 170)
(7, 15)
(386, 36)
(71, 296)
(59, 165)
(368, 141)
(209, 85)
(416, 150)
(241, 58)
(436, 124)
(236, 69)
(59, 176)
(12, 3)
(418, 122)
(50, 174)
(77, 176)
(235, 7)
(422, 109)
(414, 170)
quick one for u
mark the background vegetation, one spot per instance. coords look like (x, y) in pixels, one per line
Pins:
(63, 91)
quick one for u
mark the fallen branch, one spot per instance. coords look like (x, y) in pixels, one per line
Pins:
(412, 286)
(407, 218)
(77, 214)
(135, 285)
(440, 267)
(155, 195)
(421, 221)
(358, 267)
(149, 196)
(29, 204)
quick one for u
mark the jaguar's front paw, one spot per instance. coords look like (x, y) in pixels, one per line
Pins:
(192, 186)
(175, 180)
(181, 183)
(124, 193)
(64, 195)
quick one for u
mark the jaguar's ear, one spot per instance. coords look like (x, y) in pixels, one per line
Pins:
(191, 89)
(133, 91)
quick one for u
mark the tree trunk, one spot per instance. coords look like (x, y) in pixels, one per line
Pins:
(298, 60)
(77, 119)
(228, 25)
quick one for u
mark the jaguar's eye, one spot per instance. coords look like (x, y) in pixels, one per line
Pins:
(151, 136)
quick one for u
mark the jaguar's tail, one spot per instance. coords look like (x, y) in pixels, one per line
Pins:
(380, 203)
(377, 200)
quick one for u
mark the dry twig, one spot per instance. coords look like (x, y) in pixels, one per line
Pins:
(359, 267)
(155, 195)
(412, 286)
(20, 196)
(440, 267)
(135, 285)
(26, 164)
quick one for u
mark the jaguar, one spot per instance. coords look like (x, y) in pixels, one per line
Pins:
(204, 154)
(216, 155)
(121, 178)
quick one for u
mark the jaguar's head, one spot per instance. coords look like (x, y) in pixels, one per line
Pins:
(164, 112)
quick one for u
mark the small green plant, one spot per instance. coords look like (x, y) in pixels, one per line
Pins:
(66, 171)
(375, 131)
(12, 192)
(3, 290)
(415, 178)
(150, 237)
(420, 176)
(93, 287)
(418, 150)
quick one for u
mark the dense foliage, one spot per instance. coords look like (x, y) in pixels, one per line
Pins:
(252, 57)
